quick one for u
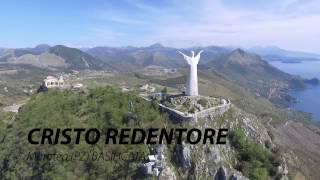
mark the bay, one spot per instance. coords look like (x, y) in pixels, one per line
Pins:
(308, 99)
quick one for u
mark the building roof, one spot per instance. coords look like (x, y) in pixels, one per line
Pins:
(51, 78)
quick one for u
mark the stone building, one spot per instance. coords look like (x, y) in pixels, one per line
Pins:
(154, 165)
(53, 82)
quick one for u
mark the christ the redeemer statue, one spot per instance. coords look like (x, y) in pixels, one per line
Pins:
(192, 86)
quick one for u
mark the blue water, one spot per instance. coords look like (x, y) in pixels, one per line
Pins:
(309, 99)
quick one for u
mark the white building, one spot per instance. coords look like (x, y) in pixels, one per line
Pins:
(52, 82)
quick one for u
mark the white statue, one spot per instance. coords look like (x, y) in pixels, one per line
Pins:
(192, 86)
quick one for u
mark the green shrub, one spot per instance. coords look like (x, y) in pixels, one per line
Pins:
(203, 102)
(164, 91)
(259, 173)
(192, 110)
(254, 161)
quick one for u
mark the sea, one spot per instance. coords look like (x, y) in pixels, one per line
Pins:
(308, 99)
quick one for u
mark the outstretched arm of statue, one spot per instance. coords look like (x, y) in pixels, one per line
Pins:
(187, 58)
(197, 57)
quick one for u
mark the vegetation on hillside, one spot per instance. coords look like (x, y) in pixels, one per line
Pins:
(77, 59)
(254, 161)
(100, 108)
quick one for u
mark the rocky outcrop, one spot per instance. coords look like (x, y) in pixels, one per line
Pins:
(212, 161)
(237, 177)
(214, 154)
(221, 174)
(183, 156)
(168, 173)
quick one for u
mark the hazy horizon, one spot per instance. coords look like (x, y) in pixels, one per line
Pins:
(124, 46)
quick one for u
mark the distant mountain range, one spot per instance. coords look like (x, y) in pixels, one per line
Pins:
(131, 58)
(128, 58)
(121, 59)
(274, 53)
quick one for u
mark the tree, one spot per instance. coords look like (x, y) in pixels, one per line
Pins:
(164, 90)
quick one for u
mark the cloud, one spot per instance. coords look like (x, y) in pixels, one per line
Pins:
(291, 24)
(142, 6)
(118, 17)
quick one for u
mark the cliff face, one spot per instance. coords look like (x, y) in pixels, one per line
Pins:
(219, 161)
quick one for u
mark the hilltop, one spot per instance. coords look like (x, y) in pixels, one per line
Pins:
(108, 107)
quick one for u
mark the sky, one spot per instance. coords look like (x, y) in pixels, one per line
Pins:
(289, 24)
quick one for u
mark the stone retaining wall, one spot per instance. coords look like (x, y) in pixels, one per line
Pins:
(179, 116)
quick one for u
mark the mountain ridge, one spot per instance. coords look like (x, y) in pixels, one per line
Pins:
(275, 53)
(57, 57)
(251, 71)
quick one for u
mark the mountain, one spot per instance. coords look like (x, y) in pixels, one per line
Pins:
(138, 57)
(132, 58)
(241, 63)
(41, 48)
(45, 60)
(252, 72)
(52, 58)
(76, 59)
(274, 53)
(6, 53)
